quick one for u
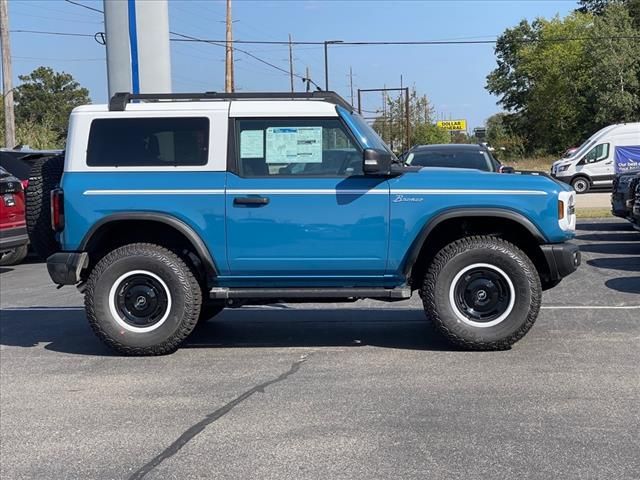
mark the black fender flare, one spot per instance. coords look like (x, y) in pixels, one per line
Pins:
(413, 252)
(195, 240)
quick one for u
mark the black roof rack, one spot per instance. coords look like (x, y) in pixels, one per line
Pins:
(120, 100)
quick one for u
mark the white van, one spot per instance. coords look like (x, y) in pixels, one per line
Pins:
(614, 149)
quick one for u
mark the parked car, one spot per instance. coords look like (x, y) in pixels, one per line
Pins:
(614, 149)
(169, 211)
(624, 187)
(13, 231)
(454, 155)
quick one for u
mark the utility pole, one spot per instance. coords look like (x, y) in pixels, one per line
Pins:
(326, 62)
(307, 77)
(351, 84)
(291, 63)
(7, 78)
(228, 71)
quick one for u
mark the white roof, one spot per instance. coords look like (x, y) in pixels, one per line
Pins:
(238, 108)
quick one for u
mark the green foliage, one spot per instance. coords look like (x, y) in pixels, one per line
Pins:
(562, 79)
(46, 97)
(508, 146)
(614, 66)
(40, 136)
(596, 7)
(428, 134)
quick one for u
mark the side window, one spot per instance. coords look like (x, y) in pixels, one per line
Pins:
(306, 147)
(597, 153)
(148, 142)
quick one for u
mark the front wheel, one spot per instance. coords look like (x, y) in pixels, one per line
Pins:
(482, 293)
(580, 185)
(142, 299)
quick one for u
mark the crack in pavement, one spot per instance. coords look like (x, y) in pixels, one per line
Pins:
(194, 430)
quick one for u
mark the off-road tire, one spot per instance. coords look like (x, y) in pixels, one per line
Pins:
(45, 175)
(13, 257)
(581, 185)
(462, 253)
(185, 295)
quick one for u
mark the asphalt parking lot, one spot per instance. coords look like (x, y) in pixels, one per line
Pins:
(366, 390)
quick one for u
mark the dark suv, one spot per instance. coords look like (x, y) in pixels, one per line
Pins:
(624, 186)
(454, 156)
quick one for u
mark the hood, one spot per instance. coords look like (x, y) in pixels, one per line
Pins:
(460, 178)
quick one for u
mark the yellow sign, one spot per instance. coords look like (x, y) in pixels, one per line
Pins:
(452, 125)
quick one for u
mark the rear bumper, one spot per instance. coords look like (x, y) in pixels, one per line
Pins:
(11, 238)
(65, 267)
(563, 259)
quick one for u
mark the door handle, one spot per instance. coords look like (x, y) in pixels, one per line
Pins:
(255, 201)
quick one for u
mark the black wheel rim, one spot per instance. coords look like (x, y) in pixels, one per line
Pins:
(482, 294)
(141, 301)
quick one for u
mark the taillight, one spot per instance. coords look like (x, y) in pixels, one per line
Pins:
(25, 184)
(57, 209)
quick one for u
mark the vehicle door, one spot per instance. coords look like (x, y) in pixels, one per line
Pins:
(299, 206)
(598, 164)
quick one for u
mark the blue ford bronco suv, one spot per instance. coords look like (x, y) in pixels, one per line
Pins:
(172, 207)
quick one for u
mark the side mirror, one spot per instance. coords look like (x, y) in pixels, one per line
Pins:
(376, 162)
(505, 169)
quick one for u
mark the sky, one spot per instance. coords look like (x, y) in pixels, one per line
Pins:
(452, 76)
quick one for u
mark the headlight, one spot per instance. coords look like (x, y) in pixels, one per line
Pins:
(563, 168)
(567, 211)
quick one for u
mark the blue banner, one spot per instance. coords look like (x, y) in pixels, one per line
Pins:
(627, 159)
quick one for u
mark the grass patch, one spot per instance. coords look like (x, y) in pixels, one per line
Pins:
(541, 164)
(592, 212)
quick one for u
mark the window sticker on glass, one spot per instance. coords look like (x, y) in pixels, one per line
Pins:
(252, 144)
(294, 145)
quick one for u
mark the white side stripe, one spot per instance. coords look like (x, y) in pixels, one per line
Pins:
(459, 191)
(316, 192)
(153, 192)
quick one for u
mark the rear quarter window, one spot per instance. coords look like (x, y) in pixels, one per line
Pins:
(148, 142)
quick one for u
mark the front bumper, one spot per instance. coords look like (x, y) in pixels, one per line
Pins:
(11, 238)
(562, 259)
(65, 267)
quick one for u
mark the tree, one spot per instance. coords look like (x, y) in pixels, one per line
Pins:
(559, 80)
(595, 7)
(614, 67)
(540, 80)
(429, 134)
(46, 96)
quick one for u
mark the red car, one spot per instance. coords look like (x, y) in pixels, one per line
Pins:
(14, 240)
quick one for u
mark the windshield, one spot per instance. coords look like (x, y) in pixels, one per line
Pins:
(452, 159)
(588, 143)
(367, 136)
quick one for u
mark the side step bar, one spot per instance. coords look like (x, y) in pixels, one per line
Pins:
(220, 293)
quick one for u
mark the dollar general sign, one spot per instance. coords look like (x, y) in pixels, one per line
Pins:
(452, 125)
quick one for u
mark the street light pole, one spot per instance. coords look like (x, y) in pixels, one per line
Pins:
(326, 62)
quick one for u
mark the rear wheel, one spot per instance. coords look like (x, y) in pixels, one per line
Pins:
(482, 293)
(142, 299)
(13, 257)
(45, 175)
(580, 184)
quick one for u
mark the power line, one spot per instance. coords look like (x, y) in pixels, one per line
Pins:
(421, 42)
(66, 34)
(84, 6)
(190, 38)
